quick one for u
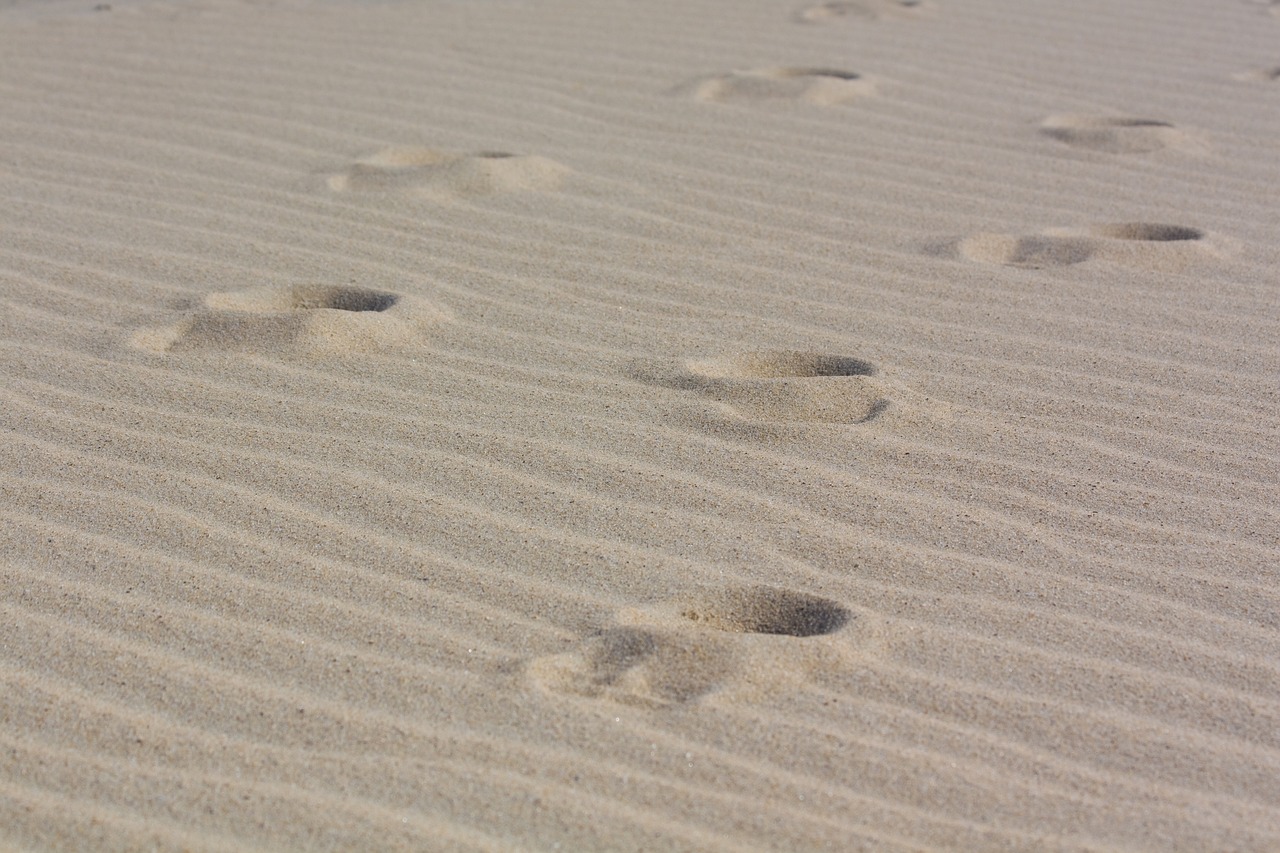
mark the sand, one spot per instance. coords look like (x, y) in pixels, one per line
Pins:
(713, 425)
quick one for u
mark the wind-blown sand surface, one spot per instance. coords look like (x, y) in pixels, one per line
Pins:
(552, 424)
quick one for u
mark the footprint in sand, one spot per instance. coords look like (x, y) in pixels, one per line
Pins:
(780, 385)
(821, 86)
(1142, 244)
(867, 10)
(739, 641)
(1119, 134)
(299, 320)
(1260, 75)
(430, 172)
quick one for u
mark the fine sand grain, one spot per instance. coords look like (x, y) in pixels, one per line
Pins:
(712, 425)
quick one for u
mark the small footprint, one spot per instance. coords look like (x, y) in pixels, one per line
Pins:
(683, 650)
(301, 320)
(1118, 134)
(780, 385)
(427, 171)
(821, 86)
(1149, 244)
(871, 10)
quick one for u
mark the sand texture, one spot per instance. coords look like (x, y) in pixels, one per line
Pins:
(640, 425)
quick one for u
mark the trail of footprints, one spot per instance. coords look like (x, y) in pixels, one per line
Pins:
(752, 641)
(755, 639)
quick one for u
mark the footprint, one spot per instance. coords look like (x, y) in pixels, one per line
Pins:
(634, 666)
(1269, 6)
(1118, 134)
(822, 86)
(1260, 75)
(1149, 244)
(427, 171)
(681, 651)
(780, 385)
(871, 10)
(1032, 251)
(301, 320)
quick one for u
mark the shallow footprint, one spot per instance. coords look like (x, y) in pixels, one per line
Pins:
(1117, 134)
(822, 86)
(870, 10)
(684, 650)
(780, 385)
(1260, 75)
(636, 666)
(431, 172)
(298, 320)
(1147, 244)
(1032, 251)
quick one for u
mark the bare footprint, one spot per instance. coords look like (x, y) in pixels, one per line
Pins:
(301, 320)
(683, 650)
(1118, 134)
(868, 10)
(1144, 244)
(780, 385)
(427, 171)
(821, 86)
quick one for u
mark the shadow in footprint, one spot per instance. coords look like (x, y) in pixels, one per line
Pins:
(767, 610)
(685, 650)
(1147, 232)
(298, 320)
(427, 171)
(867, 10)
(1117, 134)
(822, 86)
(779, 385)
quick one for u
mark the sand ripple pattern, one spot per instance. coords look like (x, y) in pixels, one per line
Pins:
(422, 430)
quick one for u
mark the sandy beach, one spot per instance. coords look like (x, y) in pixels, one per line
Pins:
(632, 426)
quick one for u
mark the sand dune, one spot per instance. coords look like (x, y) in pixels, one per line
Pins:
(532, 424)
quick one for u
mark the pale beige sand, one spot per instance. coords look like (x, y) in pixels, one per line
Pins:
(554, 424)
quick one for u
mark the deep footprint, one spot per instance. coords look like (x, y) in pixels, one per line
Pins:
(821, 86)
(432, 172)
(300, 320)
